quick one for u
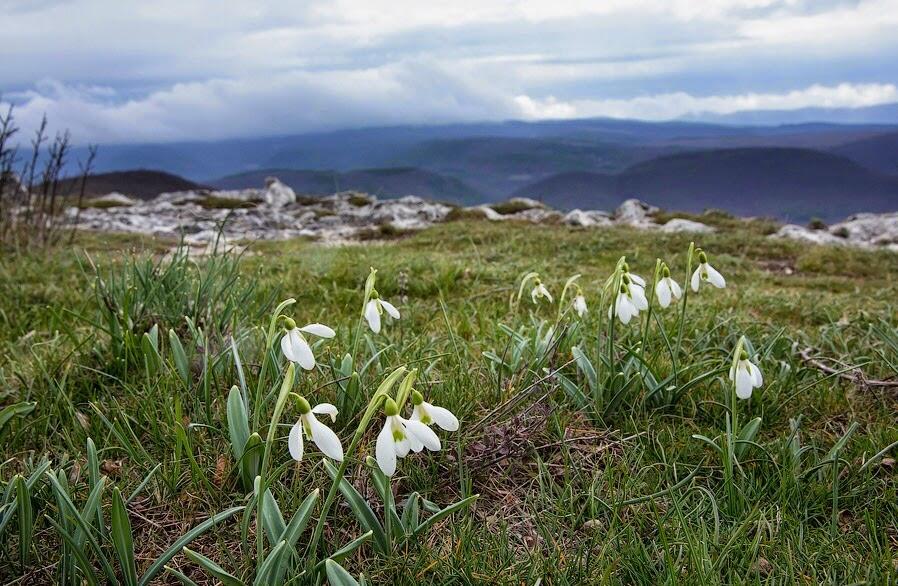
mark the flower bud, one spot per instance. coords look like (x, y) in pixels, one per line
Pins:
(417, 398)
(702, 257)
(303, 405)
(390, 407)
(625, 267)
(290, 323)
(625, 279)
(665, 272)
(743, 355)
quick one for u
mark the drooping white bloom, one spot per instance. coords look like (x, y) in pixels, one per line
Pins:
(666, 288)
(579, 305)
(705, 272)
(634, 277)
(637, 295)
(624, 307)
(308, 425)
(399, 436)
(374, 308)
(296, 348)
(747, 377)
(539, 291)
(429, 414)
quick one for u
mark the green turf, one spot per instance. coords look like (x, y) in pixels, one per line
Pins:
(579, 482)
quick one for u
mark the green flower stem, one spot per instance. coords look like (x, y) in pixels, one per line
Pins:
(651, 296)
(682, 322)
(269, 343)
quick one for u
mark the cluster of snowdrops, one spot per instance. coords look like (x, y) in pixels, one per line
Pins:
(400, 436)
(629, 299)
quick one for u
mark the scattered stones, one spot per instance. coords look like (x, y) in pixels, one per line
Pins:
(276, 212)
(872, 231)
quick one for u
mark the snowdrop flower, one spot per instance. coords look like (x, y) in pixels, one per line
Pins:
(374, 308)
(624, 307)
(666, 288)
(399, 436)
(539, 291)
(746, 375)
(323, 436)
(579, 304)
(633, 277)
(637, 291)
(296, 348)
(429, 414)
(705, 272)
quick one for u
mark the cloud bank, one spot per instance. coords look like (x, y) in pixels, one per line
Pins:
(175, 70)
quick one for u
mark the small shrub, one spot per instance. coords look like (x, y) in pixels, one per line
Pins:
(359, 200)
(816, 224)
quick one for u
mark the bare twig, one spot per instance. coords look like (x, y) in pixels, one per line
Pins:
(854, 375)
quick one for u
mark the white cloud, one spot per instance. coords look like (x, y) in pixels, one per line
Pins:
(679, 104)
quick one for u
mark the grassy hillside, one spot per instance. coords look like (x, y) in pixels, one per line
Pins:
(614, 467)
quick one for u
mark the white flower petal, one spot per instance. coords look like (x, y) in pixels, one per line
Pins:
(674, 288)
(423, 434)
(296, 349)
(325, 438)
(384, 450)
(390, 308)
(320, 330)
(442, 417)
(294, 441)
(662, 291)
(757, 378)
(326, 409)
(546, 294)
(715, 278)
(637, 279)
(533, 293)
(696, 278)
(743, 383)
(639, 299)
(373, 316)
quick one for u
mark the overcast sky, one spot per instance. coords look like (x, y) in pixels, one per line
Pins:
(161, 70)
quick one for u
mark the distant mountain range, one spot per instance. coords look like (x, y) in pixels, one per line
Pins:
(789, 171)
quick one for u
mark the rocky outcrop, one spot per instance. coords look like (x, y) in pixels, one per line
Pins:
(277, 194)
(872, 231)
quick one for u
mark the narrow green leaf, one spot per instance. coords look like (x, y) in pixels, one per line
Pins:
(437, 517)
(271, 568)
(15, 410)
(300, 519)
(747, 435)
(410, 513)
(25, 518)
(238, 422)
(179, 357)
(87, 569)
(346, 550)
(212, 568)
(360, 508)
(181, 577)
(122, 539)
(337, 576)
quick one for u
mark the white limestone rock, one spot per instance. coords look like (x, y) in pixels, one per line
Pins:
(684, 225)
(633, 212)
(278, 194)
(587, 219)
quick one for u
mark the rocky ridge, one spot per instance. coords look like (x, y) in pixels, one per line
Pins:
(276, 212)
